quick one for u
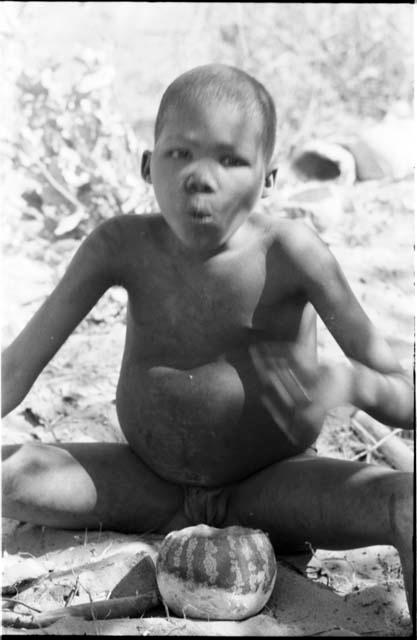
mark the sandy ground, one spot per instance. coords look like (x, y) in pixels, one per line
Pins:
(357, 597)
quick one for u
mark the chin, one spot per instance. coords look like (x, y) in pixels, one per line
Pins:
(204, 243)
(204, 249)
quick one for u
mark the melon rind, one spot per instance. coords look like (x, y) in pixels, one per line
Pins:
(188, 592)
(208, 603)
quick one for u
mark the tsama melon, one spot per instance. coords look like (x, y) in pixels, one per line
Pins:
(218, 574)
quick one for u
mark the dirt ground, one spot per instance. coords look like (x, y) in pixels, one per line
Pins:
(356, 593)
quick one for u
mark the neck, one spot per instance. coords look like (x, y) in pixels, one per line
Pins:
(197, 255)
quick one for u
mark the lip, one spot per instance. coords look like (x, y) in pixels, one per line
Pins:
(200, 216)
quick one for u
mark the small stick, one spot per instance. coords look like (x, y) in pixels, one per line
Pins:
(345, 632)
(127, 607)
(23, 604)
(357, 425)
(72, 592)
(396, 452)
(375, 446)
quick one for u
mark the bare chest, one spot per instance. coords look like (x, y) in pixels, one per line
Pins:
(208, 308)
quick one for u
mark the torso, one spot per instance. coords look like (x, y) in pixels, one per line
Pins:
(188, 398)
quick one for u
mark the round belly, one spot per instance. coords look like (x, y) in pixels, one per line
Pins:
(197, 426)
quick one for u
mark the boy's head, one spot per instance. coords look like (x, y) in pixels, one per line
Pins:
(212, 160)
(222, 84)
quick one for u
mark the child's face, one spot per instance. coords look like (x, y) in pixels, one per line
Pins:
(208, 171)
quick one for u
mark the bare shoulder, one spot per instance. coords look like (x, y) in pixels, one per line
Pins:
(283, 232)
(121, 237)
(302, 248)
(126, 229)
(119, 244)
(293, 236)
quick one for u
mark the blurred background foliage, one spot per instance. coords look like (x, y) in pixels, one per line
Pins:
(82, 82)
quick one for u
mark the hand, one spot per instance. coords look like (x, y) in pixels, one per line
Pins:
(298, 394)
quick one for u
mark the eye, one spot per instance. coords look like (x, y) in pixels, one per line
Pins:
(233, 161)
(178, 154)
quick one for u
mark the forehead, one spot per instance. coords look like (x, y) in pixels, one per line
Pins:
(215, 122)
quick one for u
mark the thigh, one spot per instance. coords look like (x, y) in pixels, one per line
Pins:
(326, 502)
(78, 485)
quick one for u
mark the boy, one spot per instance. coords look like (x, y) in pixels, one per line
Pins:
(220, 394)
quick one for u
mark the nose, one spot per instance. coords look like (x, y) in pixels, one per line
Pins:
(198, 182)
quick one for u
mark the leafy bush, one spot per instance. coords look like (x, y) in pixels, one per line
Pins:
(328, 66)
(82, 159)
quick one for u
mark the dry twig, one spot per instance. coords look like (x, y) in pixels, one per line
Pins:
(21, 603)
(374, 447)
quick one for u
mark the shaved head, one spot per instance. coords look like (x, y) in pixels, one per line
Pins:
(221, 83)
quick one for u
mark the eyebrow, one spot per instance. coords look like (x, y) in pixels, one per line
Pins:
(223, 146)
(174, 137)
(190, 139)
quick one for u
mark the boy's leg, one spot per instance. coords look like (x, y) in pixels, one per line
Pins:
(86, 485)
(333, 504)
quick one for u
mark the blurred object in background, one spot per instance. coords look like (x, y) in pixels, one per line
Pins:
(324, 160)
(385, 149)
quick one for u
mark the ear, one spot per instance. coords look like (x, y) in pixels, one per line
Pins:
(145, 167)
(269, 184)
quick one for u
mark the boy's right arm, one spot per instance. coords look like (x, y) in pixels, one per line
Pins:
(93, 269)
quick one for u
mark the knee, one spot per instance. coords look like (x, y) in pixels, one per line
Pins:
(23, 464)
(389, 485)
(403, 485)
(400, 501)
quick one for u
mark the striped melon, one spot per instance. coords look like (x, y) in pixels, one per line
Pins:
(218, 574)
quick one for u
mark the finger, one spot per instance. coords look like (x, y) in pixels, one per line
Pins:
(272, 373)
(275, 380)
(261, 363)
(282, 376)
(278, 417)
(264, 357)
(292, 383)
(275, 350)
(299, 385)
(275, 371)
(303, 370)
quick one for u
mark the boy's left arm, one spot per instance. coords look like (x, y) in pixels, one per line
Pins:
(377, 383)
(372, 380)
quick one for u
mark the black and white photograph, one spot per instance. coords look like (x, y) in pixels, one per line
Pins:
(208, 312)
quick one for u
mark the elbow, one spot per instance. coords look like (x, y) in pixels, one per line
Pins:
(387, 398)
(12, 394)
(14, 385)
